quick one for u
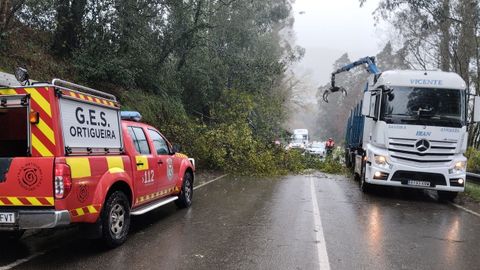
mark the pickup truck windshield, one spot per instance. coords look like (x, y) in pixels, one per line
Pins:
(424, 106)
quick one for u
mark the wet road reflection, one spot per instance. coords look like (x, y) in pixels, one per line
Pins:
(245, 223)
(401, 229)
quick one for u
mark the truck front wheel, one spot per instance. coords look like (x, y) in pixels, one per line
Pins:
(186, 194)
(115, 219)
(446, 196)
(364, 186)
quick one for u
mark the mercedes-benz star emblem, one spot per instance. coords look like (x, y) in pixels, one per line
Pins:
(422, 145)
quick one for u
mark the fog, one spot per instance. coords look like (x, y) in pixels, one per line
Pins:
(327, 30)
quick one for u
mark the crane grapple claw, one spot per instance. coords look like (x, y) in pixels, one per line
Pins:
(333, 90)
(325, 95)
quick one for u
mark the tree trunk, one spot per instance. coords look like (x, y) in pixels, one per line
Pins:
(445, 38)
(69, 26)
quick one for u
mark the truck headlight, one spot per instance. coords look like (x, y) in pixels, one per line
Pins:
(380, 160)
(459, 166)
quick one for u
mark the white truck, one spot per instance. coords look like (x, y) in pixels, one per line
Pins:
(410, 131)
(299, 139)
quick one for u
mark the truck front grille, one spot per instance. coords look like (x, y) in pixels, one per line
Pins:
(440, 153)
(434, 178)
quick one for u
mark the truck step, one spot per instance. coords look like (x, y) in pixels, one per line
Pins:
(154, 205)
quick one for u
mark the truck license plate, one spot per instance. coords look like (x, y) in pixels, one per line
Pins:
(418, 183)
(7, 218)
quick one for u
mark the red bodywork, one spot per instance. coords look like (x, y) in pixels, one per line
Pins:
(28, 181)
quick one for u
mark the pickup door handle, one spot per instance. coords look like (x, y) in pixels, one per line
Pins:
(140, 164)
(160, 162)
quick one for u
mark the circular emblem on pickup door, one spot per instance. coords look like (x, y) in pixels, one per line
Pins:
(422, 145)
(30, 176)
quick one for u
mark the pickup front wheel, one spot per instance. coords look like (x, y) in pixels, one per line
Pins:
(115, 219)
(186, 194)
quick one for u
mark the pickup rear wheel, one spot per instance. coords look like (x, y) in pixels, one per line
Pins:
(186, 194)
(115, 219)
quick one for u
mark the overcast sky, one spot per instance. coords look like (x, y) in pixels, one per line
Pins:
(327, 29)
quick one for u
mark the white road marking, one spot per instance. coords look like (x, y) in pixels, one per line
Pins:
(35, 255)
(209, 182)
(21, 261)
(465, 209)
(320, 238)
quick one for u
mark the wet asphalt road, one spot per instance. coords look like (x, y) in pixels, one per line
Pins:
(242, 223)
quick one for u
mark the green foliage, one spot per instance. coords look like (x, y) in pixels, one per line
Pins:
(208, 74)
(473, 160)
(473, 190)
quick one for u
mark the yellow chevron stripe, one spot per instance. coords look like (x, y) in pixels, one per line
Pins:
(72, 94)
(92, 209)
(80, 211)
(14, 201)
(46, 130)
(8, 92)
(40, 100)
(42, 149)
(89, 98)
(50, 200)
(81, 96)
(154, 195)
(34, 201)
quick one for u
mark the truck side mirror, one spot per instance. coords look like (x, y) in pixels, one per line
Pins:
(476, 109)
(367, 96)
(369, 107)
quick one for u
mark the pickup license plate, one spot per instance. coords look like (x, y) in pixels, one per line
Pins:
(418, 183)
(7, 218)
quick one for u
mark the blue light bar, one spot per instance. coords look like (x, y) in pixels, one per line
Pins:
(131, 116)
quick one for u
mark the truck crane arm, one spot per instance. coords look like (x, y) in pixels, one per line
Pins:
(371, 68)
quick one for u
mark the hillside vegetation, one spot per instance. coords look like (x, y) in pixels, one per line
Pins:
(209, 74)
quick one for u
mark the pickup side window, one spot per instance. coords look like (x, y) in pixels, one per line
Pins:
(159, 142)
(139, 140)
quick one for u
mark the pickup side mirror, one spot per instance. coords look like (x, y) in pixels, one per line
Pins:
(476, 109)
(176, 148)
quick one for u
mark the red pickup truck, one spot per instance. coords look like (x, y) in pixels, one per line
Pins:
(69, 155)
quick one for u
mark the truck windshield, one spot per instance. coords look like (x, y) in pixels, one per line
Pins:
(424, 106)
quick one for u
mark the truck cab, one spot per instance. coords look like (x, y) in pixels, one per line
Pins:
(414, 131)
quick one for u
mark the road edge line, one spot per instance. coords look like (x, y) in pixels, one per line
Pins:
(22, 261)
(320, 243)
(465, 209)
(210, 181)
